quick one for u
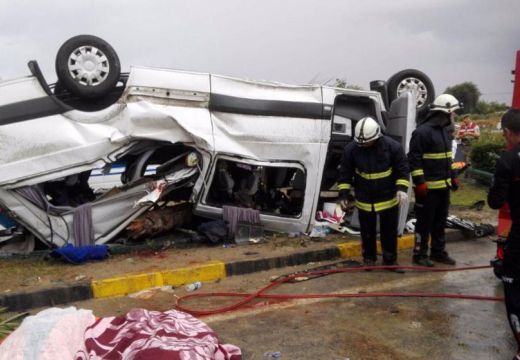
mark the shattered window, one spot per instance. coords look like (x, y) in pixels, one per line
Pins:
(272, 190)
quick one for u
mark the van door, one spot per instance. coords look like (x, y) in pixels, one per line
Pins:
(347, 110)
(401, 119)
(400, 125)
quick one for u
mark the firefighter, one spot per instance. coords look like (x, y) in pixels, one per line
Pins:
(430, 158)
(506, 189)
(376, 167)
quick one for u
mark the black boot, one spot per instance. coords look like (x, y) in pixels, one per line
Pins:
(422, 261)
(368, 262)
(443, 258)
(393, 263)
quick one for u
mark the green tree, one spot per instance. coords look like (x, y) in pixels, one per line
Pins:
(342, 83)
(485, 108)
(467, 93)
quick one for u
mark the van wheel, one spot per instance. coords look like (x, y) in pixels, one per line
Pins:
(87, 66)
(411, 79)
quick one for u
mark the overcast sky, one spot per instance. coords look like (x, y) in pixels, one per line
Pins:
(292, 41)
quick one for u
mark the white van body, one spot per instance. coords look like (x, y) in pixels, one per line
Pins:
(250, 123)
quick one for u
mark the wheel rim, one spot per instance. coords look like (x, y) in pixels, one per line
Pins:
(416, 85)
(88, 66)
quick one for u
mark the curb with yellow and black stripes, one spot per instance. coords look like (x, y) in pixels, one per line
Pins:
(211, 271)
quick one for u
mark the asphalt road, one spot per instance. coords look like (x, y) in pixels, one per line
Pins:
(373, 328)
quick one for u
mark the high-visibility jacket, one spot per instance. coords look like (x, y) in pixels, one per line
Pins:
(470, 129)
(376, 173)
(430, 154)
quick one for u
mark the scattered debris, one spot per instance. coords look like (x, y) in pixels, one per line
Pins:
(248, 232)
(216, 231)
(143, 294)
(160, 220)
(273, 354)
(167, 289)
(249, 253)
(454, 222)
(415, 325)
(193, 286)
(478, 205)
(319, 231)
(479, 230)
(80, 254)
(31, 281)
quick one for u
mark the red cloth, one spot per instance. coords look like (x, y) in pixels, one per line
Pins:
(143, 334)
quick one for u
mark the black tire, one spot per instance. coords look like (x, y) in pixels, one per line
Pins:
(412, 78)
(77, 60)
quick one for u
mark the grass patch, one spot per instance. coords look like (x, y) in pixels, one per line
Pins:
(9, 324)
(468, 193)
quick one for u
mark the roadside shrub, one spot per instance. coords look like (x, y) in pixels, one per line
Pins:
(486, 150)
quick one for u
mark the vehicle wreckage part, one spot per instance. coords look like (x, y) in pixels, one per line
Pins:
(158, 221)
(261, 294)
(412, 80)
(87, 66)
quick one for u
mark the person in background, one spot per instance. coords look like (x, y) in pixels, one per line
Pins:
(375, 166)
(467, 133)
(506, 189)
(430, 158)
(468, 130)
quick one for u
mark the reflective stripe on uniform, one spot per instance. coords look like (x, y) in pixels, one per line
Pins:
(438, 184)
(418, 172)
(344, 186)
(374, 176)
(402, 182)
(437, 156)
(380, 206)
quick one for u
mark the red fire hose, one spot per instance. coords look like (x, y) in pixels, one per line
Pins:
(261, 294)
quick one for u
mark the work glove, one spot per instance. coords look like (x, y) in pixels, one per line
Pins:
(345, 199)
(455, 183)
(421, 190)
(402, 197)
(343, 203)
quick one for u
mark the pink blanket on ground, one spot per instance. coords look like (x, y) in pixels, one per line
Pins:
(143, 334)
(60, 333)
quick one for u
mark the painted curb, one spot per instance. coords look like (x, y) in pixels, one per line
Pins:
(211, 271)
(353, 249)
(47, 297)
(127, 284)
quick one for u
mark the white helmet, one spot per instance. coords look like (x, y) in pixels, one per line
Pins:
(446, 103)
(367, 130)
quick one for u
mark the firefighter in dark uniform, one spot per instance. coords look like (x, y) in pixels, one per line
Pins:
(376, 167)
(430, 158)
(506, 189)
